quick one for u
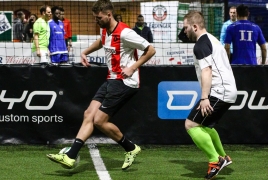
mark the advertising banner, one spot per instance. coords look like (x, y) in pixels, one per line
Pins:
(166, 54)
(6, 18)
(45, 104)
(161, 17)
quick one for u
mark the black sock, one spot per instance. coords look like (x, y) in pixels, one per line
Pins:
(77, 145)
(126, 144)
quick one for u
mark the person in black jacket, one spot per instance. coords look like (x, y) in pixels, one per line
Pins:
(143, 30)
(29, 28)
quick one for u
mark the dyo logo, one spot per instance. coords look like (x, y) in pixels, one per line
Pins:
(12, 101)
(171, 97)
(260, 106)
(177, 98)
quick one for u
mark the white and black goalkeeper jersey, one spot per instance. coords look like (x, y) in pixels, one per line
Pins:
(208, 51)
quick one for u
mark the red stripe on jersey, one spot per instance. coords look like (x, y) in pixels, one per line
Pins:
(115, 41)
(103, 36)
(115, 59)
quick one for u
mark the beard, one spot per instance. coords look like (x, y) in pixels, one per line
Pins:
(192, 35)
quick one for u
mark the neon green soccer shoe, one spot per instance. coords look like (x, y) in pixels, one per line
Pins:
(130, 157)
(63, 159)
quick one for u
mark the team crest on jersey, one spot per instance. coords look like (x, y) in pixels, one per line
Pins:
(159, 12)
(116, 38)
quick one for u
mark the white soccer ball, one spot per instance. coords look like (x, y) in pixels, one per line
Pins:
(65, 150)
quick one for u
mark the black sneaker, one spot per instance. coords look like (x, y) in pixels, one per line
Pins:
(228, 160)
(214, 168)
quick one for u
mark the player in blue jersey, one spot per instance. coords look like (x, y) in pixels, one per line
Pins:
(232, 13)
(244, 35)
(57, 46)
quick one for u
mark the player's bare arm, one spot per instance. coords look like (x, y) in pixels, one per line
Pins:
(206, 75)
(227, 48)
(263, 53)
(147, 54)
(93, 47)
(36, 42)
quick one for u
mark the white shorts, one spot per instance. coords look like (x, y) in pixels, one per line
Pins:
(44, 58)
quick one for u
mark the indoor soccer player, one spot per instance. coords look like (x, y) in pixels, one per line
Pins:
(119, 43)
(218, 89)
(57, 46)
(244, 35)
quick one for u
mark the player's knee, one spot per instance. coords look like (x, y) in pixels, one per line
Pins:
(97, 123)
(189, 124)
(88, 115)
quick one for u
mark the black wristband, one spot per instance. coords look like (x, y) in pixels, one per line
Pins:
(204, 99)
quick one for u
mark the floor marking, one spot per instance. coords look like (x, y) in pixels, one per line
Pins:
(98, 163)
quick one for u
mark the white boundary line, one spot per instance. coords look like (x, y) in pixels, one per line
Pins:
(98, 163)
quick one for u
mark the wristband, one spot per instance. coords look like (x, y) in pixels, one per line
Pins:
(204, 99)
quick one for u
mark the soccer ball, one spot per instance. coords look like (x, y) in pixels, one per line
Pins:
(65, 150)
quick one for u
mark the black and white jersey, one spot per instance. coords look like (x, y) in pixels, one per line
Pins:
(208, 51)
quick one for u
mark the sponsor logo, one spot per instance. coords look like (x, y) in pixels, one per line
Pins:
(100, 59)
(159, 12)
(159, 25)
(110, 50)
(173, 53)
(177, 98)
(19, 60)
(28, 105)
(4, 23)
(245, 95)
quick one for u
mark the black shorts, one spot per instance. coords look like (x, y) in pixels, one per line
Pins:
(219, 108)
(113, 94)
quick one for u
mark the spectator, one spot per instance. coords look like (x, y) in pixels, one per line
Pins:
(67, 29)
(41, 35)
(232, 13)
(29, 28)
(244, 35)
(218, 92)
(18, 27)
(142, 29)
(57, 47)
(118, 18)
(122, 83)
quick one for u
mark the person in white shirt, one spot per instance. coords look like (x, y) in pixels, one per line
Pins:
(218, 89)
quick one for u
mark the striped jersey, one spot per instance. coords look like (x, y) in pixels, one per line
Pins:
(208, 51)
(121, 51)
(244, 35)
(57, 43)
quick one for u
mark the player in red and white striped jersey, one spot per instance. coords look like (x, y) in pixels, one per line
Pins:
(119, 43)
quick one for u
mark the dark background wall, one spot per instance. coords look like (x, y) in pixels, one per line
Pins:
(56, 97)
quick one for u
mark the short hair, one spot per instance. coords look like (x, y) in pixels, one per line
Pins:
(34, 16)
(43, 9)
(140, 16)
(195, 17)
(242, 10)
(20, 14)
(54, 8)
(116, 15)
(102, 6)
(232, 7)
(61, 9)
